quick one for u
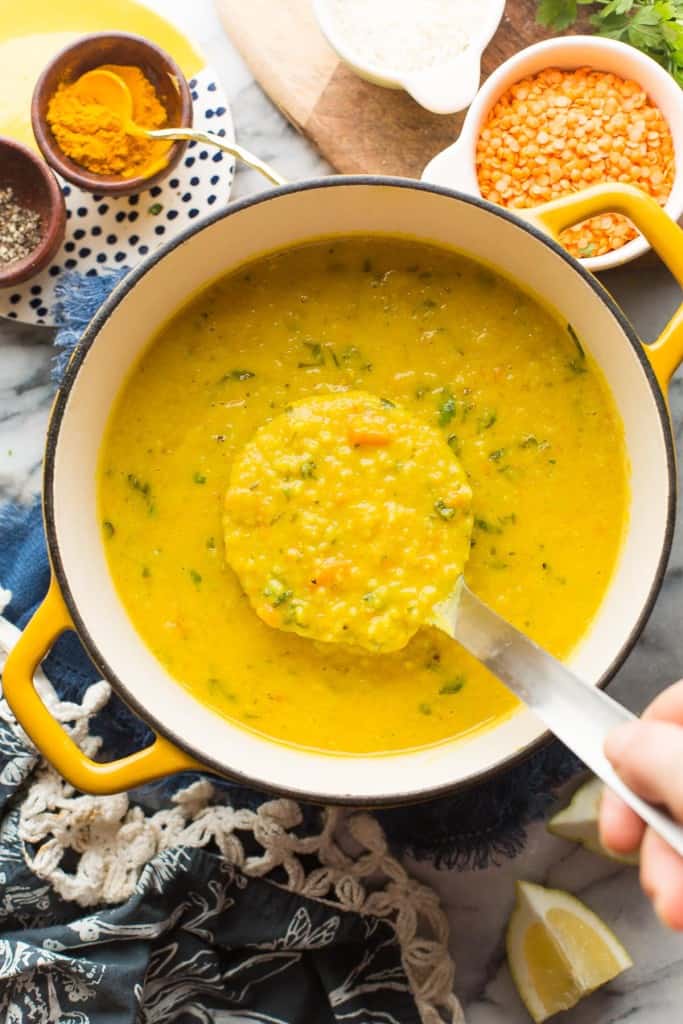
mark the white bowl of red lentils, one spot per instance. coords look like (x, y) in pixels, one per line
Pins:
(565, 114)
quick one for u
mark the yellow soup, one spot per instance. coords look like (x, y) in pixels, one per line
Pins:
(347, 520)
(525, 410)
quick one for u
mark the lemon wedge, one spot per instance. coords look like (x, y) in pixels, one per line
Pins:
(579, 822)
(558, 950)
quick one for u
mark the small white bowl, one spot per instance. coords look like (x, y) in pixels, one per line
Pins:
(443, 89)
(455, 167)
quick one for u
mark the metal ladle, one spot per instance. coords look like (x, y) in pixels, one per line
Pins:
(580, 715)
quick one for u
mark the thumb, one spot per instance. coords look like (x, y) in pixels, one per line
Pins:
(649, 758)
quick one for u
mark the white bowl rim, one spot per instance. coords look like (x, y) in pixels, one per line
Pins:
(88, 339)
(396, 77)
(502, 78)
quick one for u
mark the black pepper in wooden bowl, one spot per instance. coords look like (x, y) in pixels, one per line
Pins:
(20, 229)
(32, 213)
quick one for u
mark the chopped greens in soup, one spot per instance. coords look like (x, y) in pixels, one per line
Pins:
(510, 390)
(347, 520)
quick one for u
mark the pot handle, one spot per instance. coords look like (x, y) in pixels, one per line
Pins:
(159, 759)
(663, 234)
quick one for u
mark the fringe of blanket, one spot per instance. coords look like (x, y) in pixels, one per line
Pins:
(108, 841)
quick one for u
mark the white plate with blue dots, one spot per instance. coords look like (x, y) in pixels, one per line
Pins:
(107, 232)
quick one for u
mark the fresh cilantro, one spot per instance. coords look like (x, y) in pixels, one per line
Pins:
(236, 375)
(653, 26)
(453, 686)
(557, 14)
(444, 510)
(446, 410)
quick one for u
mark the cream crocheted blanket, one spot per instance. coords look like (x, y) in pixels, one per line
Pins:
(110, 839)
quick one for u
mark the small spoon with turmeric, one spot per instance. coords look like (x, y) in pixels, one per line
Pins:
(109, 89)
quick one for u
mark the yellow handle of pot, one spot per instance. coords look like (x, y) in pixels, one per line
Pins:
(663, 234)
(159, 759)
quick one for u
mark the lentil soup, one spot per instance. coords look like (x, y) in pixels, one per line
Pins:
(519, 402)
(311, 499)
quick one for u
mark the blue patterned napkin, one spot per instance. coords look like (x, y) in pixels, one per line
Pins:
(188, 900)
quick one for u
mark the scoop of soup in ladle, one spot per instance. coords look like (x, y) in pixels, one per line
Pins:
(347, 520)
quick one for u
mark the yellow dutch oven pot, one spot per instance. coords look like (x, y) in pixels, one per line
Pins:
(82, 596)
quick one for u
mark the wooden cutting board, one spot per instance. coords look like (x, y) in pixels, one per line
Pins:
(360, 128)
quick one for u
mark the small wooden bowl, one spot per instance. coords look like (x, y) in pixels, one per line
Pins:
(34, 186)
(91, 52)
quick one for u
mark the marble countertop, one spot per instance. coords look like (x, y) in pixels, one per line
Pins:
(478, 903)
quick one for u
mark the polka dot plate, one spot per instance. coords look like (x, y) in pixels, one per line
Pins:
(105, 232)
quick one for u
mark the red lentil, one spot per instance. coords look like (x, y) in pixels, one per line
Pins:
(559, 131)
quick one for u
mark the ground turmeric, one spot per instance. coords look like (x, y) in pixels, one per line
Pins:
(94, 137)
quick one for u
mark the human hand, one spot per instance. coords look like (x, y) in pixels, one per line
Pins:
(648, 755)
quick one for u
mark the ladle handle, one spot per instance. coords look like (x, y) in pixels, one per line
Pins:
(580, 715)
(209, 139)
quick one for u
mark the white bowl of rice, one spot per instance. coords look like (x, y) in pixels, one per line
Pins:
(430, 48)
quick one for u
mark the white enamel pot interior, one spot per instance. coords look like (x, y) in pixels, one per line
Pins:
(286, 217)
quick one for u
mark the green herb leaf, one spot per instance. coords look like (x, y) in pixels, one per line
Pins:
(433, 662)
(276, 592)
(454, 444)
(531, 441)
(316, 358)
(195, 577)
(199, 478)
(443, 510)
(350, 356)
(138, 485)
(424, 709)
(453, 686)
(108, 527)
(653, 26)
(577, 366)
(237, 375)
(485, 526)
(487, 419)
(307, 469)
(446, 411)
(215, 685)
(557, 14)
(155, 209)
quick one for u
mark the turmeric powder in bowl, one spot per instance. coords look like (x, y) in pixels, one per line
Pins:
(558, 132)
(95, 137)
